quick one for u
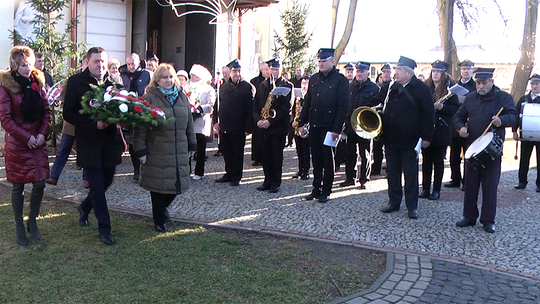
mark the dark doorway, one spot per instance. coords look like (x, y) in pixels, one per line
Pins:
(200, 41)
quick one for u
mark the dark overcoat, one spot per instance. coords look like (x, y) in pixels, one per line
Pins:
(279, 125)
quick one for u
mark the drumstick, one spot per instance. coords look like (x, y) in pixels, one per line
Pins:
(491, 123)
(515, 155)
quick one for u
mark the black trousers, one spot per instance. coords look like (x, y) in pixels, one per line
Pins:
(272, 158)
(351, 158)
(232, 146)
(398, 162)
(339, 153)
(458, 148)
(525, 158)
(160, 201)
(256, 144)
(489, 178)
(99, 179)
(433, 162)
(134, 159)
(201, 153)
(378, 156)
(303, 153)
(323, 161)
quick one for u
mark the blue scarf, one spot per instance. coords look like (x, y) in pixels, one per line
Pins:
(171, 94)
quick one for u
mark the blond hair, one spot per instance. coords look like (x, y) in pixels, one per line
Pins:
(17, 54)
(113, 61)
(160, 70)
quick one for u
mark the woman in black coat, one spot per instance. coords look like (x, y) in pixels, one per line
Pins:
(445, 108)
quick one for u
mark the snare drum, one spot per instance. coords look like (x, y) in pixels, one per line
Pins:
(529, 122)
(484, 150)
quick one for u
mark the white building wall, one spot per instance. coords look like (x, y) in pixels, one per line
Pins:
(7, 7)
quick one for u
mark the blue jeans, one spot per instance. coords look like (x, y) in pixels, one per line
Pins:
(66, 143)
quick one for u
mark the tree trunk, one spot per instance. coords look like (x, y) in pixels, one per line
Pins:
(526, 62)
(348, 31)
(445, 9)
(335, 7)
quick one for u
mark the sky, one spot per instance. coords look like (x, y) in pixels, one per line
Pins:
(386, 29)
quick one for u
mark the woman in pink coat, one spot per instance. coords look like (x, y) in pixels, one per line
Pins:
(25, 117)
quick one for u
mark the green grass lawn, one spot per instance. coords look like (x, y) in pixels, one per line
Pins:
(189, 264)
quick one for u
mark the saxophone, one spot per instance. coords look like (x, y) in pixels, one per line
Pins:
(297, 111)
(266, 111)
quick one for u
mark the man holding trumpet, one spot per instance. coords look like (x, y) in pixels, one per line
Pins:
(488, 107)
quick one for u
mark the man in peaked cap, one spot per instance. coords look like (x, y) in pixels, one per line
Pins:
(361, 91)
(479, 110)
(459, 144)
(349, 71)
(378, 155)
(325, 107)
(274, 127)
(264, 73)
(408, 119)
(527, 145)
(235, 122)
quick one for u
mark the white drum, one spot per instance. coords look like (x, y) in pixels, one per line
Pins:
(484, 150)
(529, 122)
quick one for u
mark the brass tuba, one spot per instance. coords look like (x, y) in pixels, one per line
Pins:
(366, 122)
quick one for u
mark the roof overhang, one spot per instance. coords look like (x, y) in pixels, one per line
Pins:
(249, 4)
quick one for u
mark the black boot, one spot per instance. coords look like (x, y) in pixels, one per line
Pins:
(17, 201)
(35, 203)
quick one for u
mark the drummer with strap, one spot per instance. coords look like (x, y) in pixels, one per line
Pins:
(479, 110)
(529, 101)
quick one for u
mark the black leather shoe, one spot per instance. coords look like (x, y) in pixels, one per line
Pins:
(160, 228)
(297, 175)
(363, 186)
(263, 187)
(235, 183)
(304, 176)
(313, 195)
(452, 184)
(223, 179)
(256, 164)
(521, 186)
(389, 209)
(537, 188)
(435, 195)
(83, 217)
(413, 214)
(323, 199)
(218, 153)
(489, 227)
(465, 222)
(107, 238)
(424, 194)
(346, 183)
(273, 190)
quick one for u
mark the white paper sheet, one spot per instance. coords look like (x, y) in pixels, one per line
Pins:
(328, 140)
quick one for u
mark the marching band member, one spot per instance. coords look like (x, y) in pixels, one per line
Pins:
(527, 146)
(272, 116)
(477, 112)
(302, 144)
(362, 90)
(408, 118)
(378, 155)
(325, 108)
(433, 156)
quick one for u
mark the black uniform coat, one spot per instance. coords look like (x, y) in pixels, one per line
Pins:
(442, 135)
(95, 148)
(236, 103)
(281, 104)
(469, 85)
(477, 111)
(255, 81)
(326, 101)
(360, 94)
(406, 120)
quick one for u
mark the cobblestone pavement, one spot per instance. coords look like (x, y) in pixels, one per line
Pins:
(352, 216)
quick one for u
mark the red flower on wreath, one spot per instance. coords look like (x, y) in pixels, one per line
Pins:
(137, 109)
(34, 86)
(155, 114)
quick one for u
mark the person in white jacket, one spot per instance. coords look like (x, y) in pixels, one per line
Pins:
(202, 97)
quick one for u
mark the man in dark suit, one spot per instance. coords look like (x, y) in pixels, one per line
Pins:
(325, 107)
(273, 125)
(408, 120)
(527, 145)
(264, 73)
(362, 90)
(235, 122)
(479, 110)
(459, 144)
(99, 147)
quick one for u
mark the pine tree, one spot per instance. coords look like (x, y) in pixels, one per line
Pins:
(296, 40)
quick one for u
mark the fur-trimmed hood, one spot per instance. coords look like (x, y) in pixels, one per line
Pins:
(8, 82)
